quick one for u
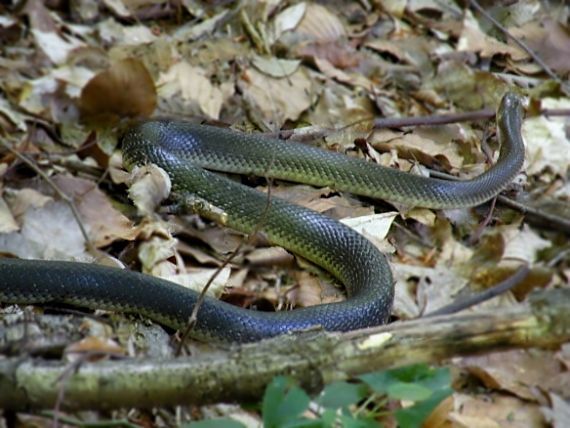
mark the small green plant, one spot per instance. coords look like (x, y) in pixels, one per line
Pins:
(352, 405)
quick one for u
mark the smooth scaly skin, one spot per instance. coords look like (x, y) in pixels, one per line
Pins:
(183, 150)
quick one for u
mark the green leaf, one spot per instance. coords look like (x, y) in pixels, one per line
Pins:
(215, 423)
(420, 383)
(438, 378)
(342, 394)
(283, 402)
(408, 391)
(332, 418)
(420, 374)
(414, 416)
(379, 381)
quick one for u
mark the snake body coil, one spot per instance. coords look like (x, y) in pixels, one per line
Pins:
(188, 153)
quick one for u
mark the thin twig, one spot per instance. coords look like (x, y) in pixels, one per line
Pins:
(194, 315)
(432, 120)
(555, 112)
(313, 132)
(554, 222)
(520, 43)
(502, 287)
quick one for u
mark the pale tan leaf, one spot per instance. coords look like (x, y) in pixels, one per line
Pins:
(103, 222)
(36, 93)
(14, 116)
(150, 186)
(155, 251)
(277, 100)
(7, 221)
(289, 18)
(375, 227)
(54, 46)
(519, 372)
(524, 244)
(276, 67)
(96, 345)
(559, 414)
(320, 24)
(547, 142)
(195, 89)
(473, 39)
(394, 7)
(494, 411)
(118, 7)
(422, 215)
(22, 200)
(196, 278)
(193, 31)
(50, 232)
(111, 31)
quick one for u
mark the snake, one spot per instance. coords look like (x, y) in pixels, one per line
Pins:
(193, 155)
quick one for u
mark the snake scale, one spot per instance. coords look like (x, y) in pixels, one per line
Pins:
(189, 153)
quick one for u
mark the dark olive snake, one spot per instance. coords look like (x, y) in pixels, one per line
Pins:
(188, 153)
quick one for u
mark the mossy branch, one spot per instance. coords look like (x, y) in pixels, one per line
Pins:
(241, 373)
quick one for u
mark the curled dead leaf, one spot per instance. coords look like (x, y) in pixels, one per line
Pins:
(320, 24)
(126, 89)
(150, 186)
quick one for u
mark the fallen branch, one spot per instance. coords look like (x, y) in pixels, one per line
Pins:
(313, 358)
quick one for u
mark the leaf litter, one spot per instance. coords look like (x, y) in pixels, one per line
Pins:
(275, 65)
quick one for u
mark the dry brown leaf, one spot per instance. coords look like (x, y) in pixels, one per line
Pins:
(196, 278)
(426, 151)
(550, 39)
(522, 373)
(126, 89)
(320, 24)
(423, 289)
(339, 207)
(277, 100)
(473, 39)
(466, 88)
(309, 291)
(41, 94)
(103, 222)
(354, 79)
(439, 417)
(337, 54)
(7, 221)
(98, 346)
(494, 411)
(547, 140)
(50, 233)
(190, 87)
(269, 256)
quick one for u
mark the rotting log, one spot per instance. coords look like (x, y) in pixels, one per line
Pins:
(314, 358)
